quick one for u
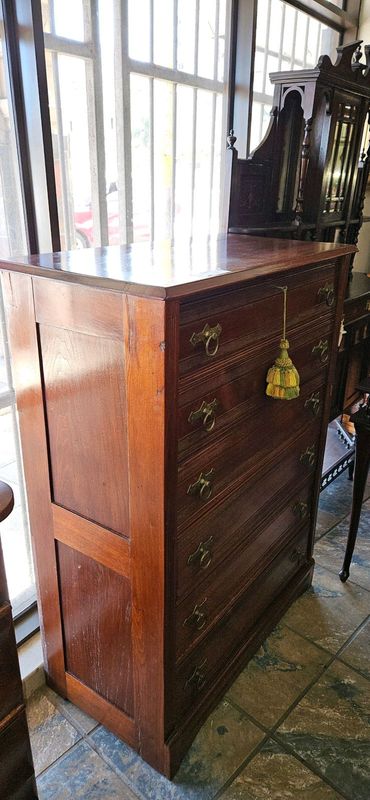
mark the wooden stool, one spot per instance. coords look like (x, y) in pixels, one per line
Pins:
(16, 766)
(361, 420)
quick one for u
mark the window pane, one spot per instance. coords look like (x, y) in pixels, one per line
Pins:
(139, 30)
(295, 41)
(163, 32)
(207, 38)
(186, 35)
(163, 159)
(64, 17)
(14, 530)
(184, 161)
(69, 124)
(141, 162)
(203, 162)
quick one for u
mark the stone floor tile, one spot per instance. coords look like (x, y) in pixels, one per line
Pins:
(324, 521)
(329, 612)
(82, 775)
(50, 732)
(78, 718)
(357, 654)
(221, 746)
(274, 774)
(329, 551)
(330, 729)
(337, 497)
(283, 667)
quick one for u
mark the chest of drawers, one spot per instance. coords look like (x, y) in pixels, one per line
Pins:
(172, 503)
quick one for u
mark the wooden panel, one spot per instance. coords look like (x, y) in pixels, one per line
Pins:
(101, 545)
(10, 679)
(27, 380)
(96, 609)
(145, 347)
(16, 767)
(95, 705)
(78, 309)
(86, 420)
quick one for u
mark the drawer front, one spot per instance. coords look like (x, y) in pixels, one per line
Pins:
(213, 328)
(10, 681)
(201, 608)
(355, 309)
(215, 406)
(220, 467)
(202, 547)
(16, 773)
(196, 673)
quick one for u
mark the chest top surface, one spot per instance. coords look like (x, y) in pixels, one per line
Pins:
(166, 270)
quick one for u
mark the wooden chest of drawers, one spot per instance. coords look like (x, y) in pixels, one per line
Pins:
(172, 503)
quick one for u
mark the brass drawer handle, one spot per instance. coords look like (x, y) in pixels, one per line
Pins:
(210, 338)
(300, 509)
(207, 411)
(198, 617)
(198, 678)
(297, 557)
(308, 456)
(368, 305)
(313, 403)
(321, 350)
(202, 555)
(203, 485)
(327, 293)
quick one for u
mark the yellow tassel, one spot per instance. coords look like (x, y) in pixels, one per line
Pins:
(282, 378)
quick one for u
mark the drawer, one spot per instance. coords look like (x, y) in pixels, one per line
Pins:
(208, 601)
(355, 309)
(213, 328)
(16, 773)
(203, 546)
(195, 675)
(221, 466)
(10, 680)
(216, 405)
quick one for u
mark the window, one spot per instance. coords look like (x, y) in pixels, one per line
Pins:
(15, 529)
(286, 39)
(137, 101)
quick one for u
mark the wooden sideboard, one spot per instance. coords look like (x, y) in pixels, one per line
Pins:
(17, 779)
(172, 503)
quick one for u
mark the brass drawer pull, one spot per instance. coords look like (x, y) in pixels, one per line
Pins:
(198, 617)
(368, 305)
(297, 557)
(327, 293)
(321, 350)
(202, 486)
(308, 456)
(202, 555)
(207, 411)
(300, 509)
(210, 338)
(313, 403)
(197, 679)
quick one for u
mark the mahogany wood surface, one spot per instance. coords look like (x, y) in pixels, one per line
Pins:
(112, 519)
(97, 633)
(167, 270)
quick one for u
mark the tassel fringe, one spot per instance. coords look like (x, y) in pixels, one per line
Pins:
(283, 378)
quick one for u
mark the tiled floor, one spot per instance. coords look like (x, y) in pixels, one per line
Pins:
(294, 725)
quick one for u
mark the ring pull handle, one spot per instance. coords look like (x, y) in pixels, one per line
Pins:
(207, 412)
(203, 485)
(326, 293)
(297, 557)
(198, 677)
(321, 350)
(198, 617)
(202, 555)
(210, 337)
(313, 403)
(308, 456)
(300, 509)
